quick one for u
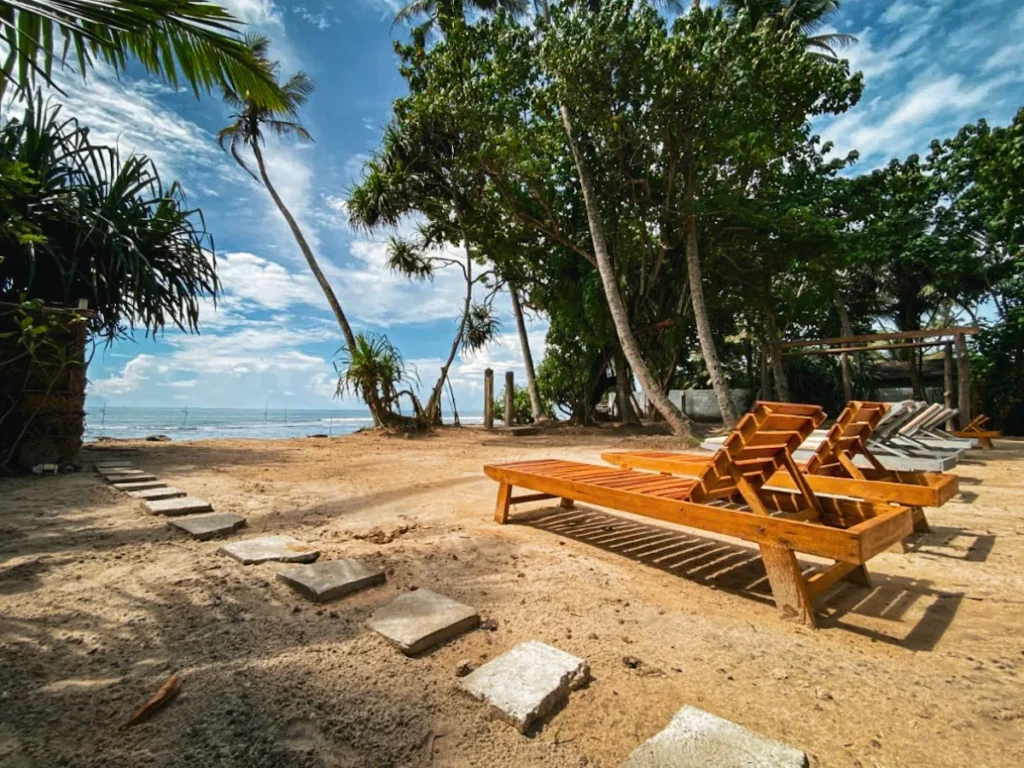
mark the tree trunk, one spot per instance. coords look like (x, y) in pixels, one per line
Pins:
(524, 341)
(332, 300)
(654, 393)
(846, 329)
(700, 316)
(624, 390)
(432, 414)
(372, 400)
(775, 355)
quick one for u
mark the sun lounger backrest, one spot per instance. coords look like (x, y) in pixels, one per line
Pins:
(757, 447)
(917, 423)
(849, 434)
(891, 426)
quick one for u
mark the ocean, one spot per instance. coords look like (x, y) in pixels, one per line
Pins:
(242, 423)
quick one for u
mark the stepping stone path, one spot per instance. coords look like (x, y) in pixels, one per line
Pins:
(156, 494)
(195, 516)
(265, 548)
(209, 526)
(697, 739)
(139, 485)
(176, 507)
(331, 579)
(422, 619)
(528, 683)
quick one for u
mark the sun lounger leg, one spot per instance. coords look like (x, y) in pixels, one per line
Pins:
(859, 576)
(788, 586)
(504, 501)
(920, 521)
(567, 503)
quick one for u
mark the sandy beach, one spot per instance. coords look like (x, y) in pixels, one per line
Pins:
(100, 602)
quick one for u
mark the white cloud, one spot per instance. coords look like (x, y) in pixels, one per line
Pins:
(901, 11)
(259, 12)
(250, 277)
(132, 376)
(1010, 56)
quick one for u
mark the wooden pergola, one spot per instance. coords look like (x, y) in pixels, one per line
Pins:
(875, 342)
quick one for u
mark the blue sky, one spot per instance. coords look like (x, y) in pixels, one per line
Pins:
(930, 66)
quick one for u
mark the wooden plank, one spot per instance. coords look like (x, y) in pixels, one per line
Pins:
(812, 538)
(823, 581)
(871, 348)
(880, 533)
(531, 497)
(926, 334)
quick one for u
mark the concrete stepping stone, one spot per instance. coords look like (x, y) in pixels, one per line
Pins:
(103, 465)
(139, 485)
(156, 494)
(421, 619)
(209, 526)
(528, 683)
(265, 548)
(136, 477)
(132, 470)
(697, 739)
(331, 579)
(180, 506)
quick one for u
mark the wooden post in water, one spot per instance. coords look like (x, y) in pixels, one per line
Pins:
(947, 383)
(488, 399)
(510, 398)
(963, 375)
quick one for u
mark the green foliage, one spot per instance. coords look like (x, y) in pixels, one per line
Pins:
(997, 371)
(178, 40)
(80, 222)
(521, 409)
(375, 372)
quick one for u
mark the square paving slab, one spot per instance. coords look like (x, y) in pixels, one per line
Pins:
(181, 506)
(422, 619)
(132, 470)
(139, 485)
(156, 494)
(209, 526)
(697, 739)
(102, 465)
(265, 548)
(137, 477)
(529, 682)
(330, 579)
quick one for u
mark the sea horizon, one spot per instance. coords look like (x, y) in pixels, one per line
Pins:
(183, 424)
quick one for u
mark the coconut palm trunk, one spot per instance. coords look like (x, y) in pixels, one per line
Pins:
(655, 394)
(536, 407)
(700, 315)
(376, 410)
(332, 300)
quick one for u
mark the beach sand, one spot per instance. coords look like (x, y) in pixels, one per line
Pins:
(100, 602)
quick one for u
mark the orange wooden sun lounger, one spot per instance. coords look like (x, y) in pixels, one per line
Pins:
(831, 469)
(974, 429)
(728, 497)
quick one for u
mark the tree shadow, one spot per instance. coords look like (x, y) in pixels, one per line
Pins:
(739, 570)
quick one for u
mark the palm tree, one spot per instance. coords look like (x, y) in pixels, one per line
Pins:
(251, 120)
(188, 39)
(809, 15)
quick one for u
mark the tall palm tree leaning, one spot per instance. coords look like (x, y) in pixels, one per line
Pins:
(251, 121)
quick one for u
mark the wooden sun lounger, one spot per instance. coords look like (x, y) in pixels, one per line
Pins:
(728, 497)
(975, 430)
(831, 469)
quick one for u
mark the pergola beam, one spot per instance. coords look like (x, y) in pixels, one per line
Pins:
(875, 348)
(931, 333)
